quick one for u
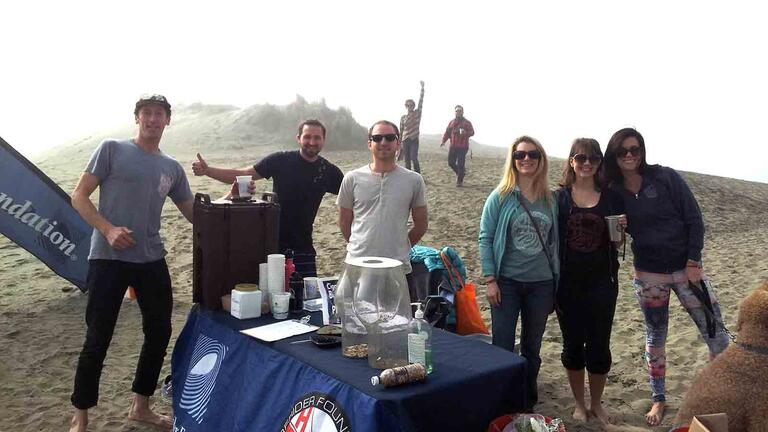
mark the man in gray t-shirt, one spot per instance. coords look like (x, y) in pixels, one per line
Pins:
(375, 201)
(134, 178)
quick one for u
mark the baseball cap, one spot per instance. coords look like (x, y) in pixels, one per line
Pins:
(150, 99)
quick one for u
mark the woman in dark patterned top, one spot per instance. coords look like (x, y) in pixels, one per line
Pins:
(588, 280)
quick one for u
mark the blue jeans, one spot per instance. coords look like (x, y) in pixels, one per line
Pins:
(457, 161)
(534, 301)
(411, 152)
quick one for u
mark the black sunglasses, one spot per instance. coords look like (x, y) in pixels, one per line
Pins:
(521, 154)
(634, 151)
(582, 158)
(378, 138)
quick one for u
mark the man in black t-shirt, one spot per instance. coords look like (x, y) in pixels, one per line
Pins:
(300, 179)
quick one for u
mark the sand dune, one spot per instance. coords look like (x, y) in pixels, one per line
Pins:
(42, 324)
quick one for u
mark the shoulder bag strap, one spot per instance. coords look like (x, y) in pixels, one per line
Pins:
(453, 274)
(538, 233)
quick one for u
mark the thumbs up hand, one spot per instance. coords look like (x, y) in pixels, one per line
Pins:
(200, 167)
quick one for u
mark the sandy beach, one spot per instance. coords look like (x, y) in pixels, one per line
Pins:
(42, 316)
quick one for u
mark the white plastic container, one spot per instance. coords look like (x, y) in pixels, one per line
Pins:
(246, 304)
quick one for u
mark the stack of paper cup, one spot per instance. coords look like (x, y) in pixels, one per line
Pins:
(264, 286)
(276, 272)
(263, 278)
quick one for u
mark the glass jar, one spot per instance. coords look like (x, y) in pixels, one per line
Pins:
(375, 310)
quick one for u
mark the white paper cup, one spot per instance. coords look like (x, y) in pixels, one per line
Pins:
(614, 229)
(242, 186)
(280, 302)
(311, 291)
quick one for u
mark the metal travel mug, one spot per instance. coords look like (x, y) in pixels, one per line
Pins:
(614, 229)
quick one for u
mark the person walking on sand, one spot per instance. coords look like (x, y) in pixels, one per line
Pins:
(518, 244)
(589, 265)
(375, 200)
(667, 232)
(409, 127)
(458, 131)
(301, 179)
(134, 178)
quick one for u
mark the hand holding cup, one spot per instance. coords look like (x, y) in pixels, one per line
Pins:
(244, 186)
(623, 221)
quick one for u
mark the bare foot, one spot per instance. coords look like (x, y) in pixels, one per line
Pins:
(601, 414)
(654, 416)
(580, 413)
(79, 421)
(146, 415)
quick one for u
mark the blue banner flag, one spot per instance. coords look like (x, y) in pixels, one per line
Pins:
(36, 214)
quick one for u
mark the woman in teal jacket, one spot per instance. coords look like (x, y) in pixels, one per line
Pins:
(519, 254)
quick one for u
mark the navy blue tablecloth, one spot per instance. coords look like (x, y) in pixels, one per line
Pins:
(226, 381)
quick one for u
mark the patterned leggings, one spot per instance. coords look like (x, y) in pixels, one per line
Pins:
(652, 291)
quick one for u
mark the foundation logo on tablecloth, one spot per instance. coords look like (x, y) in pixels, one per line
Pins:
(316, 412)
(201, 377)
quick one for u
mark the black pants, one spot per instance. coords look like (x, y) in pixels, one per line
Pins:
(587, 305)
(456, 159)
(411, 153)
(107, 282)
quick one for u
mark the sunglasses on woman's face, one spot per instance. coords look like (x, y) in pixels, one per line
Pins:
(634, 151)
(388, 137)
(582, 158)
(521, 154)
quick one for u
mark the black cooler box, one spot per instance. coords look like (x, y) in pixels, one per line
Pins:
(230, 239)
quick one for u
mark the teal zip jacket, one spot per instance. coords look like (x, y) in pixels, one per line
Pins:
(494, 223)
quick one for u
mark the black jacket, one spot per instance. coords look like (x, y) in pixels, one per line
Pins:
(664, 220)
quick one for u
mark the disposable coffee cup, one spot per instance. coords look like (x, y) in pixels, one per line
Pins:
(242, 186)
(280, 302)
(311, 291)
(614, 229)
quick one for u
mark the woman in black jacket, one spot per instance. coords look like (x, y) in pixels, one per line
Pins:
(588, 280)
(667, 232)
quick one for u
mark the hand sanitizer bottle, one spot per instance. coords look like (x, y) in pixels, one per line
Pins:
(420, 340)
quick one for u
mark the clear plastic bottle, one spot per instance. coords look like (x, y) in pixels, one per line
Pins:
(420, 340)
(400, 375)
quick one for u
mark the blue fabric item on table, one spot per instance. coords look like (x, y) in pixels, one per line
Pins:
(224, 380)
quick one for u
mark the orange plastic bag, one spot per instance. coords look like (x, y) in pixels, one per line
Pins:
(468, 319)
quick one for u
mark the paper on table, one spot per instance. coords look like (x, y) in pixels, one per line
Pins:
(279, 330)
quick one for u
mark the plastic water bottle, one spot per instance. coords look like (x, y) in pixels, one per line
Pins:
(400, 375)
(167, 390)
(420, 340)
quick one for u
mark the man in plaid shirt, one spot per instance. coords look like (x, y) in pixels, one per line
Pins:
(409, 128)
(458, 131)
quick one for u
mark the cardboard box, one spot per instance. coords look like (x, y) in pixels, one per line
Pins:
(709, 423)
